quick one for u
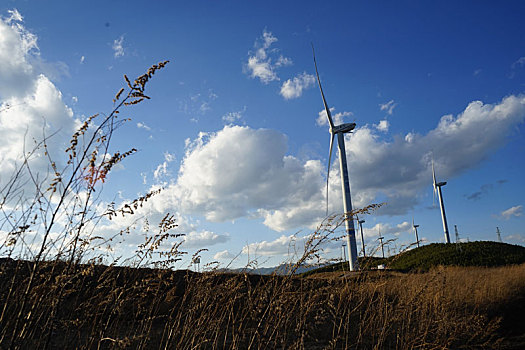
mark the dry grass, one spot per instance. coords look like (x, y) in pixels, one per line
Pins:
(115, 307)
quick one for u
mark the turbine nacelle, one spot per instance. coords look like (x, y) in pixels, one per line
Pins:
(343, 128)
(439, 184)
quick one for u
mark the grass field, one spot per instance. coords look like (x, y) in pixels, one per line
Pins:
(116, 307)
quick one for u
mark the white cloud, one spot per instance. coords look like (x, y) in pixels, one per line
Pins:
(257, 172)
(82, 59)
(30, 104)
(383, 125)
(516, 238)
(515, 211)
(293, 88)
(118, 48)
(143, 126)
(281, 246)
(168, 157)
(161, 171)
(401, 168)
(243, 172)
(233, 117)
(203, 239)
(260, 62)
(386, 229)
(388, 107)
(338, 118)
(14, 16)
(223, 255)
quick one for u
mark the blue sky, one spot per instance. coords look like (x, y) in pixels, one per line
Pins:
(233, 131)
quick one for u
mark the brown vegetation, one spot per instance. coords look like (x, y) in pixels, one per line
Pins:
(115, 307)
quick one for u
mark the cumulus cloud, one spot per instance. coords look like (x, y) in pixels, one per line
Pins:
(118, 47)
(338, 118)
(281, 246)
(399, 169)
(262, 62)
(515, 211)
(243, 172)
(223, 255)
(259, 174)
(162, 169)
(388, 107)
(387, 229)
(383, 125)
(204, 239)
(293, 88)
(31, 106)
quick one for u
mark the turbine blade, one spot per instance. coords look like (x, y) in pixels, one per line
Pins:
(328, 114)
(328, 171)
(434, 175)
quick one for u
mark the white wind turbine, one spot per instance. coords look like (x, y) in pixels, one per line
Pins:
(340, 131)
(414, 226)
(437, 188)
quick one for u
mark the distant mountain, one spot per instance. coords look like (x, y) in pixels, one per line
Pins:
(282, 269)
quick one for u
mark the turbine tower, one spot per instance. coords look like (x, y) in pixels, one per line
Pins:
(437, 188)
(458, 246)
(414, 226)
(340, 131)
(499, 235)
(360, 222)
(382, 245)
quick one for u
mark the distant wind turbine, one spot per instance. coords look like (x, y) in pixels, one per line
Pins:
(361, 222)
(458, 246)
(382, 245)
(499, 235)
(437, 188)
(414, 226)
(340, 131)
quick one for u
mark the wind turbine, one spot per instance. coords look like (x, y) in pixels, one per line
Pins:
(458, 247)
(437, 188)
(499, 235)
(340, 131)
(414, 226)
(382, 245)
(360, 222)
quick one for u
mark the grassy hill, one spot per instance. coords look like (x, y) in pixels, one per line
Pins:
(480, 253)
